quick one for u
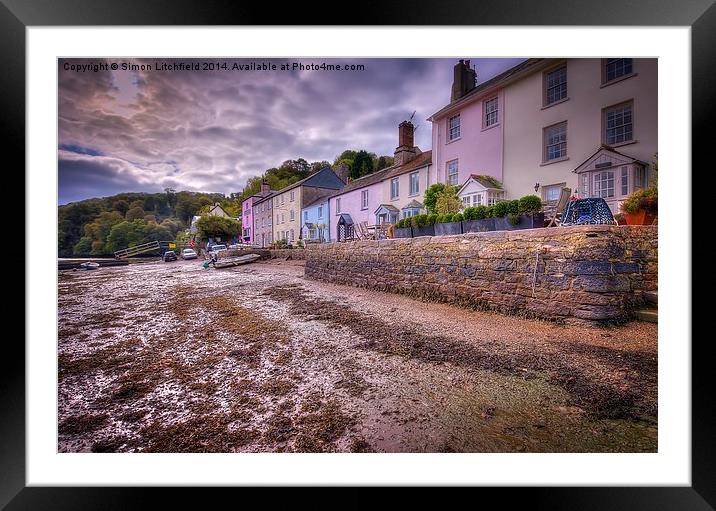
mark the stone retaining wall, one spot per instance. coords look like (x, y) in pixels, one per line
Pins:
(283, 253)
(584, 273)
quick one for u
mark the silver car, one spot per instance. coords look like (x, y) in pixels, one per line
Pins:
(188, 253)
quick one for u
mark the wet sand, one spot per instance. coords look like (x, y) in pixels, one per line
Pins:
(169, 357)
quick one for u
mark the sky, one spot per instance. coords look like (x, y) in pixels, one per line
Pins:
(144, 130)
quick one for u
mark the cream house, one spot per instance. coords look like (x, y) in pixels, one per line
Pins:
(559, 112)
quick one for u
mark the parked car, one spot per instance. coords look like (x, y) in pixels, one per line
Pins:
(188, 253)
(235, 246)
(215, 249)
(169, 255)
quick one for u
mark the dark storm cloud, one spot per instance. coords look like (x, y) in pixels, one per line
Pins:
(211, 131)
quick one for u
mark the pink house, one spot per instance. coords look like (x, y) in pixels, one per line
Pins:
(247, 214)
(467, 133)
(390, 194)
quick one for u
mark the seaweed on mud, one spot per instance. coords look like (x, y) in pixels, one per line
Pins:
(108, 445)
(278, 387)
(319, 429)
(279, 428)
(600, 399)
(81, 424)
(360, 444)
(206, 433)
(132, 416)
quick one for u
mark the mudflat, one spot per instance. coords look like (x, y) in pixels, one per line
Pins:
(171, 357)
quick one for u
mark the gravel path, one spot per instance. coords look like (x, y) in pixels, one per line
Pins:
(173, 358)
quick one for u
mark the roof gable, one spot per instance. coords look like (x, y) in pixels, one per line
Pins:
(480, 183)
(606, 157)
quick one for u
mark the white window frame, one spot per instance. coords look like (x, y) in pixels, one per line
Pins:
(619, 109)
(293, 196)
(624, 180)
(549, 142)
(624, 62)
(490, 116)
(551, 84)
(364, 199)
(449, 174)
(598, 181)
(320, 212)
(338, 206)
(494, 197)
(394, 188)
(547, 188)
(453, 127)
(291, 216)
(413, 178)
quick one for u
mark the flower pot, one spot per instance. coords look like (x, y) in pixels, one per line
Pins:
(427, 230)
(482, 225)
(641, 217)
(447, 228)
(403, 232)
(531, 221)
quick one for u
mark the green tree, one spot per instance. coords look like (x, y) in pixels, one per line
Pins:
(134, 213)
(126, 234)
(431, 196)
(83, 246)
(211, 226)
(384, 162)
(121, 206)
(447, 201)
(362, 164)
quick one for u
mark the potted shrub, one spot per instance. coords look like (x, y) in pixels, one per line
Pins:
(478, 219)
(403, 229)
(641, 207)
(620, 218)
(423, 225)
(448, 224)
(523, 213)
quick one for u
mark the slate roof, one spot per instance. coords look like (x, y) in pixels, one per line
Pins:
(498, 81)
(419, 161)
(413, 204)
(389, 207)
(324, 178)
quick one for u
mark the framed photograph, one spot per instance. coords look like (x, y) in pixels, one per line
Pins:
(420, 253)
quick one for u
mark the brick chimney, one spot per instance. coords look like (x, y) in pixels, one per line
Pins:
(406, 149)
(464, 80)
(265, 188)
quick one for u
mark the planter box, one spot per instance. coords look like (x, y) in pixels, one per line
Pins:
(403, 232)
(641, 217)
(428, 230)
(534, 221)
(447, 228)
(482, 225)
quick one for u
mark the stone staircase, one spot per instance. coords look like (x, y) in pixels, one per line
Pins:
(650, 311)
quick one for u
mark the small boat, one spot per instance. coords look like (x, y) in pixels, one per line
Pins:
(89, 265)
(228, 262)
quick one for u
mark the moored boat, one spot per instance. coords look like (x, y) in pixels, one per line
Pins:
(228, 262)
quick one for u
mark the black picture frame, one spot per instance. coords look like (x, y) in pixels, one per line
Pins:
(700, 15)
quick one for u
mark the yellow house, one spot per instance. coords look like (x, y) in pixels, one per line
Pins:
(288, 202)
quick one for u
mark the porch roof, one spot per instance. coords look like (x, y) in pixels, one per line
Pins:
(387, 207)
